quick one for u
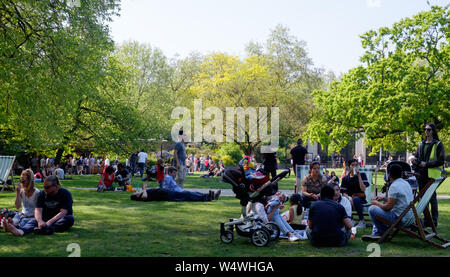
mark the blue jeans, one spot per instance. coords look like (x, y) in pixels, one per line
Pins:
(358, 205)
(141, 168)
(280, 222)
(187, 196)
(380, 228)
(133, 168)
(61, 225)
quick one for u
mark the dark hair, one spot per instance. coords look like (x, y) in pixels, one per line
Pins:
(109, 170)
(327, 192)
(297, 200)
(299, 142)
(54, 180)
(350, 161)
(395, 171)
(180, 132)
(311, 165)
(433, 128)
(120, 165)
(171, 169)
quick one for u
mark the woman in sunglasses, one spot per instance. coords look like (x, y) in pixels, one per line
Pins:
(26, 197)
(428, 163)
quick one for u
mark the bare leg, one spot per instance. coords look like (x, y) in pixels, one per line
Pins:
(12, 229)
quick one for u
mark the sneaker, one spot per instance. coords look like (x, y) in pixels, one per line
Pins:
(361, 225)
(370, 238)
(217, 194)
(293, 238)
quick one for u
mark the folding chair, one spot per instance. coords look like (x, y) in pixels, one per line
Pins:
(301, 171)
(6, 163)
(419, 205)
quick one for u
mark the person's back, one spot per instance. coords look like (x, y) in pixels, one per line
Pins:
(60, 173)
(402, 192)
(326, 221)
(170, 184)
(298, 154)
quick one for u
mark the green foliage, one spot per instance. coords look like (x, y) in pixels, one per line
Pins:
(227, 160)
(403, 85)
(232, 150)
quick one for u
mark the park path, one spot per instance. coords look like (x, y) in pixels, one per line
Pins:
(229, 192)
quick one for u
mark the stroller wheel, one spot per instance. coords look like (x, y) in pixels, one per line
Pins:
(260, 237)
(226, 236)
(273, 229)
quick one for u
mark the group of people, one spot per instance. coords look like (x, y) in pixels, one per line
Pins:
(43, 212)
(330, 203)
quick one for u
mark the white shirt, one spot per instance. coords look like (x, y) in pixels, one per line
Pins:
(142, 157)
(107, 162)
(60, 173)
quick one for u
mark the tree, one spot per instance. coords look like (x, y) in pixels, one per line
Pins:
(403, 85)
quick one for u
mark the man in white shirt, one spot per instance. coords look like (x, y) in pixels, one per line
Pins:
(142, 160)
(399, 197)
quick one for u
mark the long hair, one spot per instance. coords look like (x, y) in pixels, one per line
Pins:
(433, 128)
(28, 175)
(296, 200)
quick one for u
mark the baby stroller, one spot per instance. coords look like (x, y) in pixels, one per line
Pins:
(407, 175)
(253, 191)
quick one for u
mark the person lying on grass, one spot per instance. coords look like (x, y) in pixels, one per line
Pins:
(173, 192)
(53, 212)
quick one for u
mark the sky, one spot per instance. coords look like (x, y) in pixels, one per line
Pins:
(330, 28)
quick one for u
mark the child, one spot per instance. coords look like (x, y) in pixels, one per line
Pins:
(160, 172)
(273, 214)
(295, 213)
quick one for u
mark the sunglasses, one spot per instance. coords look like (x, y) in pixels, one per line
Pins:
(47, 187)
(428, 129)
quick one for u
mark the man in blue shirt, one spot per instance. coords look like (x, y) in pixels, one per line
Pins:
(179, 159)
(328, 223)
(176, 193)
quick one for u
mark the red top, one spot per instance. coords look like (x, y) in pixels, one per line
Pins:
(159, 173)
(107, 179)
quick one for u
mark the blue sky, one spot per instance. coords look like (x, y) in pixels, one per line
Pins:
(330, 28)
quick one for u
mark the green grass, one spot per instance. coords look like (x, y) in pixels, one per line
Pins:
(109, 224)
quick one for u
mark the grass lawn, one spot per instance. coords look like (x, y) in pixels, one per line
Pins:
(109, 224)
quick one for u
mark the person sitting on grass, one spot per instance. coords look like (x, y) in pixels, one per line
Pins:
(400, 195)
(295, 214)
(343, 200)
(106, 180)
(273, 215)
(328, 223)
(179, 194)
(27, 198)
(53, 211)
(122, 177)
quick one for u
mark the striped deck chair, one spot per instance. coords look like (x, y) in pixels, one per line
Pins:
(6, 163)
(419, 205)
(301, 172)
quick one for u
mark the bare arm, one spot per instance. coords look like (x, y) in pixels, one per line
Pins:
(291, 215)
(62, 213)
(348, 223)
(386, 207)
(18, 202)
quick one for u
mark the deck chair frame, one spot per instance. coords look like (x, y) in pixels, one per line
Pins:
(7, 172)
(421, 234)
